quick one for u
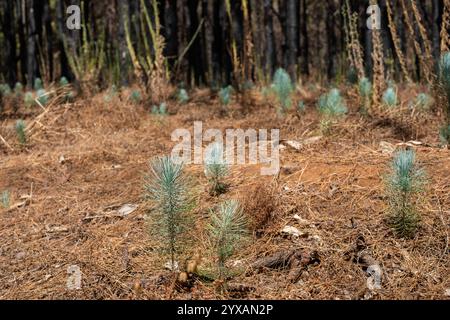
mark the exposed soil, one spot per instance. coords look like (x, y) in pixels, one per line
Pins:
(88, 158)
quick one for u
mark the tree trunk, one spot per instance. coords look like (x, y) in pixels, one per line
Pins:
(292, 37)
(436, 29)
(331, 40)
(10, 41)
(31, 44)
(123, 11)
(268, 24)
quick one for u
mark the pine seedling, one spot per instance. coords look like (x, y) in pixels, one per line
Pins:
(301, 107)
(170, 190)
(225, 95)
(283, 88)
(365, 92)
(5, 90)
(423, 102)
(18, 89)
(111, 94)
(182, 96)
(160, 110)
(390, 97)
(42, 97)
(404, 184)
(38, 85)
(216, 170)
(135, 97)
(63, 82)
(6, 199)
(227, 229)
(28, 99)
(352, 76)
(20, 132)
(331, 106)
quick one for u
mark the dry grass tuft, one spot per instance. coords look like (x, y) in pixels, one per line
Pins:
(260, 203)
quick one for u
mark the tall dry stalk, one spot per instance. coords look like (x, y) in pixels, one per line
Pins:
(149, 64)
(425, 39)
(237, 67)
(424, 65)
(378, 64)
(248, 60)
(352, 40)
(396, 41)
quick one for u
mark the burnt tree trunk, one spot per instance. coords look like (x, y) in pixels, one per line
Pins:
(270, 51)
(123, 13)
(10, 41)
(304, 44)
(32, 67)
(292, 37)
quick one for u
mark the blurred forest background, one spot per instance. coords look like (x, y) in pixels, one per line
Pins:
(217, 42)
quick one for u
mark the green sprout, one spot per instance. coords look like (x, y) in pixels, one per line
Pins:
(20, 132)
(225, 95)
(135, 97)
(110, 94)
(216, 170)
(182, 96)
(423, 102)
(227, 229)
(170, 191)
(5, 90)
(42, 97)
(63, 82)
(18, 89)
(283, 88)
(160, 110)
(404, 184)
(352, 76)
(38, 85)
(5, 199)
(390, 97)
(365, 91)
(28, 99)
(301, 106)
(331, 106)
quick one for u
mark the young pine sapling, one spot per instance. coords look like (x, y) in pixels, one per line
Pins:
(38, 85)
(331, 106)
(135, 97)
(170, 190)
(365, 92)
(42, 97)
(283, 88)
(227, 229)
(390, 97)
(160, 110)
(182, 96)
(225, 95)
(404, 184)
(216, 170)
(20, 132)
(28, 99)
(18, 89)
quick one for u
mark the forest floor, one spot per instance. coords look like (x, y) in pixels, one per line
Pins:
(85, 160)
